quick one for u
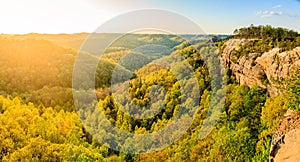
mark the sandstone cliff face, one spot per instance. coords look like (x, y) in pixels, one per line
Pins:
(285, 142)
(266, 70)
(261, 69)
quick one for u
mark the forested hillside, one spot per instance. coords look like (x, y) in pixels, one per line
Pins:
(39, 121)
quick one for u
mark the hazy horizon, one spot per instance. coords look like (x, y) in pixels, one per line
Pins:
(32, 33)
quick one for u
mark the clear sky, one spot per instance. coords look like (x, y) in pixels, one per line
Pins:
(213, 16)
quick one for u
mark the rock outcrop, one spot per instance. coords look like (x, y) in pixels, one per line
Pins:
(268, 70)
(285, 142)
(261, 69)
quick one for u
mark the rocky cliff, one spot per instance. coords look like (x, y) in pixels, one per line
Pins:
(285, 142)
(262, 69)
(268, 70)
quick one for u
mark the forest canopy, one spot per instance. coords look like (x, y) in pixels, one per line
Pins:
(39, 121)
